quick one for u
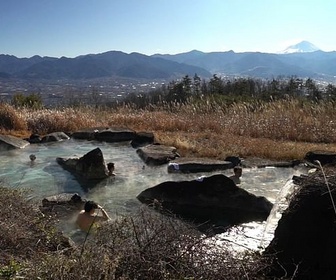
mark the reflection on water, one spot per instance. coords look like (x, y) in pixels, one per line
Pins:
(44, 177)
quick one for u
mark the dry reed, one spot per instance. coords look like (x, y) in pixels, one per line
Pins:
(284, 129)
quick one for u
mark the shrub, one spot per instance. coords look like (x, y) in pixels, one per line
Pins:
(33, 101)
(145, 245)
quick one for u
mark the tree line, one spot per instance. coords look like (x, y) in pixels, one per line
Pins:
(188, 89)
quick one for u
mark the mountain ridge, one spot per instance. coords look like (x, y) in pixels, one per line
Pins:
(112, 63)
(312, 64)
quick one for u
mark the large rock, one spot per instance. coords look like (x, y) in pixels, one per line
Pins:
(157, 154)
(142, 138)
(252, 162)
(115, 135)
(213, 200)
(34, 138)
(87, 133)
(62, 204)
(55, 137)
(304, 242)
(8, 142)
(193, 165)
(90, 167)
(324, 157)
(105, 134)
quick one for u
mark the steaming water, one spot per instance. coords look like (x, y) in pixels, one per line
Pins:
(117, 195)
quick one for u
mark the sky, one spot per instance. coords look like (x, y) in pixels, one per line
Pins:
(77, 27)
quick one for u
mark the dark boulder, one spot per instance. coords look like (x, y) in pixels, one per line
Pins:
(8, 142)
(115, 134)
(105, 134)
(34, 139)
(157, 154)
(142, 139)
(214, 201)
(262, 163)
(87, 133)
(324, 157)
(234, 160)
(55, 137)
(89, 169)
(62, 204)
(193, 165)
(304, 241)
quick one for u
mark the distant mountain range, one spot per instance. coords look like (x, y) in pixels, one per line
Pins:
(108, 64)
(302, 60)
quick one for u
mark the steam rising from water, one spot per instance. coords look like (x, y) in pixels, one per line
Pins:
(44, 177)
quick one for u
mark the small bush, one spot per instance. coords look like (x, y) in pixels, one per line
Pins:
(145, 245)
(33, 101)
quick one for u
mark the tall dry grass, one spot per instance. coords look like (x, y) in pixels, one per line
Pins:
(284, 129)
(146, 246)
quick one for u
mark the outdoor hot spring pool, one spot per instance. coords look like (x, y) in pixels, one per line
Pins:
(117, 195)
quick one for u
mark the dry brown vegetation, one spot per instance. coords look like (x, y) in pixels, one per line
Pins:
(144, 246)
(284, 129)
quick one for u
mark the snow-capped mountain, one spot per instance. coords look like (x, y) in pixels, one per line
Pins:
(302, 47)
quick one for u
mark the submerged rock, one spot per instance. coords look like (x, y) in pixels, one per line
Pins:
(214, 200)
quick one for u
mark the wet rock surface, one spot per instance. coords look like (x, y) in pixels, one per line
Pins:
(215, 202)
(62, 204)
(55, 137)
(157, 154)
(89, 169)
(8, 142)
(193, 165)
(106, 134)
(142, 138)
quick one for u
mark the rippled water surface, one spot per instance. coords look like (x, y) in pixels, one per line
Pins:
(45, 177)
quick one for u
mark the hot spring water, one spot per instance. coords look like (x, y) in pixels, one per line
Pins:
(44, 177)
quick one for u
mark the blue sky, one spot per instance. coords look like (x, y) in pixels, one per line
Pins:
(76, 27)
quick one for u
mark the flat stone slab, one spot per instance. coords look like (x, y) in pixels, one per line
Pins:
(262, 163)
(105, 134)
(8, 142)
(194, 165)
(157, 154)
